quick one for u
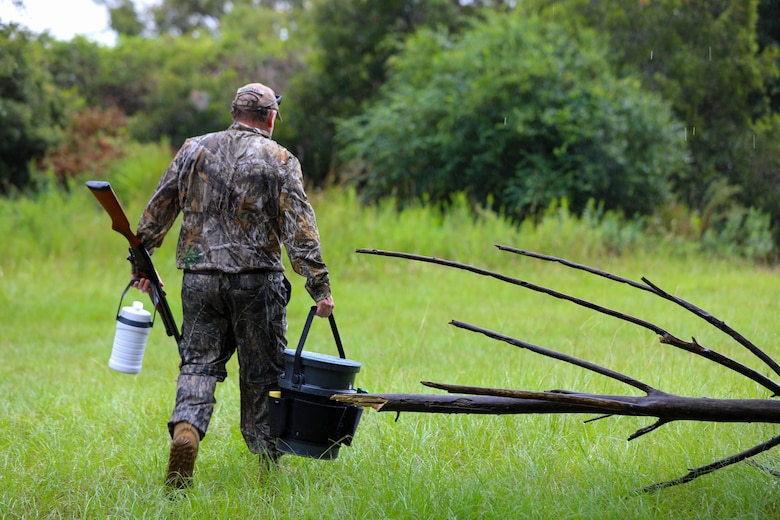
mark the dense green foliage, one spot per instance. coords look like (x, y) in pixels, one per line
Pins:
(176, 87)
(351, 41)
(704, 58)
(31, 107)
(176, 64)
(517, 113)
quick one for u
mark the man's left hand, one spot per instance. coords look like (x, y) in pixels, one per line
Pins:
(325, 307)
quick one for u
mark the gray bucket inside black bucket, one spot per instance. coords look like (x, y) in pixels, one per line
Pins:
(303, 419)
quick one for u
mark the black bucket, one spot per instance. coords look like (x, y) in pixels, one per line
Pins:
(303, 419)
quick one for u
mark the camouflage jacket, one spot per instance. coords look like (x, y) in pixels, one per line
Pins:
(241, 196)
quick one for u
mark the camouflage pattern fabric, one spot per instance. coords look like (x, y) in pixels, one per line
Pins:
(225, 314)
(242, 197)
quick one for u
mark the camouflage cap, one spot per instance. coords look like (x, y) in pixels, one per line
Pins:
(256, 96)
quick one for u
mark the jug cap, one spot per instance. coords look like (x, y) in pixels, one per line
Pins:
(136, 315)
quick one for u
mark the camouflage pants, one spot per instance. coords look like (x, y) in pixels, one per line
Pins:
(224, 314)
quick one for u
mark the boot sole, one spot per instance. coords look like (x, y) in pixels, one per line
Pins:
(181, 463)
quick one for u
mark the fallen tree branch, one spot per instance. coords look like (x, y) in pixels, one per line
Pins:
(668, 407)
(666, 337)
(593, 367)
(709, 468)
(462, 404)
(661, 405)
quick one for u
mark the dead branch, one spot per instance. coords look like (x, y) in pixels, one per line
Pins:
(661, 405)
(499, 401)
(464, 404)
(666, 337)
(709, 468)
(593, 367)
(669, 407)
(650, 287)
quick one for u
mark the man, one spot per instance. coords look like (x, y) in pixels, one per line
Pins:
(241, 196)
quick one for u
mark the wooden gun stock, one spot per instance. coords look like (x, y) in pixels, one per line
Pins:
(140, 256)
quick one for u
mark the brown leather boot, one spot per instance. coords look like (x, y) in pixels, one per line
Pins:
(184, 450)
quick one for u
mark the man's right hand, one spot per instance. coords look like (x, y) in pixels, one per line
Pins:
(142, 284)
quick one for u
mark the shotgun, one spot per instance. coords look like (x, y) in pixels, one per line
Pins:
(139, 256)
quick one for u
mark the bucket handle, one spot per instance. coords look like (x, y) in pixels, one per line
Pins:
(121, 299)
(298, 363)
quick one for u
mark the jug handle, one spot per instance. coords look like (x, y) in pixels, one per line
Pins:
(122, 298)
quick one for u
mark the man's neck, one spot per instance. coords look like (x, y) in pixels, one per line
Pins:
(260, 129)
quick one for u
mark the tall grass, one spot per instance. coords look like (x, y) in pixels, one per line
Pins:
(82, 441)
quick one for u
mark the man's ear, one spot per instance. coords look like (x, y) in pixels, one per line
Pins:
(270, 119)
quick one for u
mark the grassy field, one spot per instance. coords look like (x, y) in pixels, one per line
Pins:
(82, 441)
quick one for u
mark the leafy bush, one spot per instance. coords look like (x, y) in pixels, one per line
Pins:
(703, 58)
(31, 108)
(517, 113)
(93, 139)
(742, 232)
(723, 229)
(761, 170)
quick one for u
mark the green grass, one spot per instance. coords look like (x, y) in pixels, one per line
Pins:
(82, 441)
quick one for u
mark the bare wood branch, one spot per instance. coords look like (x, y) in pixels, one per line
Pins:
(593, 367)
(652, 288)
(665, 407)
(669, 407)
(522, 283)
(501, 401)
(574, 265)
(666, 337)
(718, 324)
(709, 468)
(648, 429)
(460, 404)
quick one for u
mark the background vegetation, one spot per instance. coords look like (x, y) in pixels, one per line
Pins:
(639, 137)
(515, 138)
(82, 441)
(638, 108)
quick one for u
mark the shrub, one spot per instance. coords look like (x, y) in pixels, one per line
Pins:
(94, 138)
(517, 113)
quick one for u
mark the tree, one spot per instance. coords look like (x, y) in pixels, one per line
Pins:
(768, 25)
(260, 44)
(700, 55)
(77, 66)
(182, 86)
(183, 17)
(124, 17)
(32, 109)
(517, 113)
(94, 139)
(351, 42)
(204, 17)
(768, 29)
(175, 87)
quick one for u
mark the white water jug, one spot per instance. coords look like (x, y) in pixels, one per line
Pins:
(132, 330)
